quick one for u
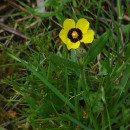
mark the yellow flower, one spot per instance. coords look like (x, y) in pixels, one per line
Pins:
(73, 34)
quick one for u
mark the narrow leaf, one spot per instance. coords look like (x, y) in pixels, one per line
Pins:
(96, 48)
(125, 79)
(76, 122)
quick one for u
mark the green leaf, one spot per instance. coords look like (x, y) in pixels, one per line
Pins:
(124, 80)
(127, 52)
(96, 48)
(126, 29)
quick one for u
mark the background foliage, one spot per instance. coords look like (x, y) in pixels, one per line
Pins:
(43, 86)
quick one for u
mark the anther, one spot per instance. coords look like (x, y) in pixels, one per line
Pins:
(75, 34)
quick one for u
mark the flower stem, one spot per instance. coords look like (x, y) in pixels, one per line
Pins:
(73, 55)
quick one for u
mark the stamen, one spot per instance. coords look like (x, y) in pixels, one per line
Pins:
(75, 34)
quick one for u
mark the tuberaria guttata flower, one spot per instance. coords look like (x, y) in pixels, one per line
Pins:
(73, 33)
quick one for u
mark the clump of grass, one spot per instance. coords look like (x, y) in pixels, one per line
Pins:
(49, 87)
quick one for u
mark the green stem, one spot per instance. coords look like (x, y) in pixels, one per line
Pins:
(98, 14)
(119, 9)
(67, 84)
(108, 117)
(104, 100)
(85, 88)
(73, 55)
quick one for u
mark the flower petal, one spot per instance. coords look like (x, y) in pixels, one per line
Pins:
(72, 45)
(68, 24)
(63, 36)
(83, 25)
(88, 37)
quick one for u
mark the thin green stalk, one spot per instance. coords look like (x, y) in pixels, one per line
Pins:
(66, 75)
(104, 100)
(103, 123)
(76, 99)
(119, 9)
(128, 7)
(86, 98)
(97, 18)
(67, 84)
(108, 117)
(84, 82)
(108, 88)
(73, 55)
(49, 71)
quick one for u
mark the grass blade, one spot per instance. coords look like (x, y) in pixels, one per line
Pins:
(96, 48)
(78, 123)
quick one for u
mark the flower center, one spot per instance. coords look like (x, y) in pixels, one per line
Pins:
(74, 35)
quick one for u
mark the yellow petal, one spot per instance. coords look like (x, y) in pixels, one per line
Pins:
(72, 45)
(88, 37)
(68, 24)
(63, 36)
(83, 25)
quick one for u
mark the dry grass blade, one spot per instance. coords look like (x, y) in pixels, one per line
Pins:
(11, 30)
(4, 17)
(3, 7)
(12, 3)
(125, 17)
